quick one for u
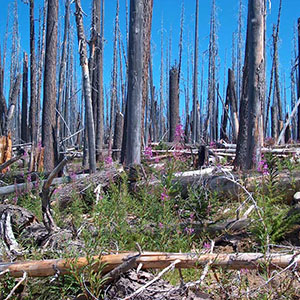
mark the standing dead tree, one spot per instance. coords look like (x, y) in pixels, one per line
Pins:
(48, 117)
(135, 73)
(33, 77)
(233, 105)
(173, 102)
(255, 54)
(147, 22)
(211, 113)
(298, 84)
(24, 128)
(195, 79)
(114, 89)
(86, 86)
(62, 69)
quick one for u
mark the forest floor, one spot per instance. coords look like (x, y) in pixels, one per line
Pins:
(156, 209)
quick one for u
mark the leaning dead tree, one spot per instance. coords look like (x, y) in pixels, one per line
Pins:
(135, 71)
(48, 117)
(86, 86)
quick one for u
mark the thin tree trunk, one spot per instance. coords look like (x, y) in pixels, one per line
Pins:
(86, 87)
(99, 78)
(62, 69)
(173, 103)
(33, 77)
(24, 128)
(147, 22)
(298, 84)
(118, 136)
(195, 79)
(233, 105)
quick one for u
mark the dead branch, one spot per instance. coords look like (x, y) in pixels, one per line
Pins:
(9, 162)
(46, 195)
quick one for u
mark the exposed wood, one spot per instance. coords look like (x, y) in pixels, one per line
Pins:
(86, 87)
(156, 260)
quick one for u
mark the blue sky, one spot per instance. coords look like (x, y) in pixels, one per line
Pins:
(169, 11)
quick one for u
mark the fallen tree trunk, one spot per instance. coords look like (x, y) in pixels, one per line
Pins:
(21, 187)
(155, 260)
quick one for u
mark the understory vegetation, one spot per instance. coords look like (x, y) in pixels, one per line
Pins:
(154, 214)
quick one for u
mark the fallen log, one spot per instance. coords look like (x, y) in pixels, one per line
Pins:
(155, 260)
(21, 187)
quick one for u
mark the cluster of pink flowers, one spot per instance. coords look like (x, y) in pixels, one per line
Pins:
(148, 152)
(179, 133)
(164, 196)
(189, 230)
(263, 167)
(108, 161)
(179, 136)
(212, 144)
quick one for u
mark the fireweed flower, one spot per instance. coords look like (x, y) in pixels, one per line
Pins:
(108, 161)
(263, 167)
(164, 196)
(179, 133)
(189, 231)
(148, 152)
(206, 246)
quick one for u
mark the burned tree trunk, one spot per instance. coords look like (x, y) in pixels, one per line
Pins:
(86, 87)
(298, 84)
(249, 139)
(223, 130)
(14, 95)
(48, 117)
(274, 122)
(99, 77)
(173, 102)
(62, 69)
(33, 97)
(135, 72)
(24, 129)
(195, 79)
(118, 136)
(233, 105)
(147, 22)
(256, 78)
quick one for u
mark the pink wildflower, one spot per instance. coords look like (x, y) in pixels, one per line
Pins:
(206, 246)
(148, 152)
(164, 196)
(108, 161)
